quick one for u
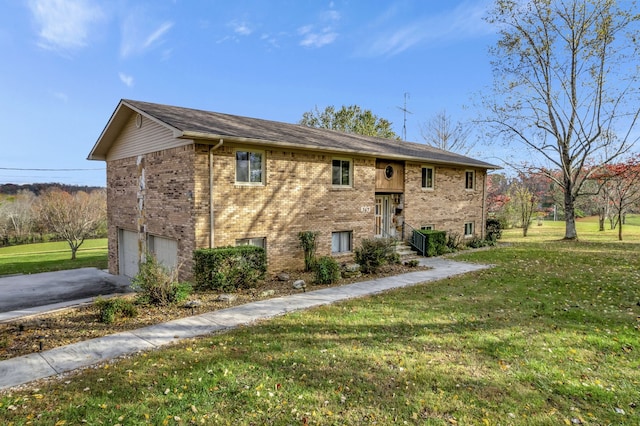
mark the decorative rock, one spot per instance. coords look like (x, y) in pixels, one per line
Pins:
(299, 285)
(192, 304)
(283, 276)
(267, 293)
(352, 267)
(227, 298)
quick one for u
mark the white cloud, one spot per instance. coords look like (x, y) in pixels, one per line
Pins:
(61, 96)
(136, 39)
(319, 38)
(240, 28)
(64, 24)
(126, 79)
(463, 22)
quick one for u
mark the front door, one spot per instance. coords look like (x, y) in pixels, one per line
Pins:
(383, 216)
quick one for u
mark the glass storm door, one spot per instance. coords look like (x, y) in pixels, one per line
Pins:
(382, 216)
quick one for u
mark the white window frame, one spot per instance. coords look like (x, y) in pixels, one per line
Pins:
(428, 228)
(338, 241)
(433, 178)
(257, 241)
(262, 167)
(469, 227)
(466, 180)
(341, 184)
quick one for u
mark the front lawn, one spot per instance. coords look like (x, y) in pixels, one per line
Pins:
(549, 336)
(56, 256)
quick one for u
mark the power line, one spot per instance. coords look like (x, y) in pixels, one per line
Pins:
(48, 170)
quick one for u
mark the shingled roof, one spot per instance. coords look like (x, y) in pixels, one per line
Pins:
(196, 124)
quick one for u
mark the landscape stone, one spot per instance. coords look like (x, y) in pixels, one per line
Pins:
(283, 276)
(299, 284)
(267, 293)
(227, 298)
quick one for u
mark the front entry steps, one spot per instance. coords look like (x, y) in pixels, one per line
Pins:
(406, 252)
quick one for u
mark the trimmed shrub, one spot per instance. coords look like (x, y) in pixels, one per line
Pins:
(326, 270)
(374, 253)
(229, 269)
(435, 242)
(159, 285)
(117, 306)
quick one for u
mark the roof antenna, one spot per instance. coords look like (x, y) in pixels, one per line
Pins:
(405, 111)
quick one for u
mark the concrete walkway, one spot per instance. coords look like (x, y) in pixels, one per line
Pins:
(24, 369)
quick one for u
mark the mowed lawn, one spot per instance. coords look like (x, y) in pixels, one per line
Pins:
(549, 336)
(56, 256)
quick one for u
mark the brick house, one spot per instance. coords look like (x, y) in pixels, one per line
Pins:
(179, 179)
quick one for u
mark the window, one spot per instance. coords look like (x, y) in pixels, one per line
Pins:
(258, 242)
(468, 229)
(427, 177)
(249, 167)
(427, 228)
(341, 172)
(341, 242)
(469, 178)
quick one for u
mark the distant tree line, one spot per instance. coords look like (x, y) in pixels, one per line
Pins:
(38, 188)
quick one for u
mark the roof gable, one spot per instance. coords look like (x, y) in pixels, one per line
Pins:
(189, 123)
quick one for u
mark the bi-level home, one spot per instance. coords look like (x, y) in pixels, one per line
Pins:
(179, 179)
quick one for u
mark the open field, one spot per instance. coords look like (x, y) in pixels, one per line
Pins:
(45, 257)
(549, 336)
(587, 231)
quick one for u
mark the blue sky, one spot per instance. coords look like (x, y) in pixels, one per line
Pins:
(67, 63)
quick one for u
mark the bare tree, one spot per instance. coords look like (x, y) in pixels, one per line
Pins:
(73, 217)
(441, 132)
(19, 213)
(566, 80)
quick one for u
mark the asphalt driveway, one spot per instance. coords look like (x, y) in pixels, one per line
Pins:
(21, 292)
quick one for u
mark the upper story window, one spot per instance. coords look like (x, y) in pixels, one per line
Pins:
(250, 167)
(427, 177)
(341, 172)
(469, 179)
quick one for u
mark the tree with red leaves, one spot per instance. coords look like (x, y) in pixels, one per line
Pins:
(620, 185)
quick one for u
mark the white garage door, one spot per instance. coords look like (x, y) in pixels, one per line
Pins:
(165, 250)
(128, 253)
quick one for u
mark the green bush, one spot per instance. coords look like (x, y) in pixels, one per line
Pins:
(374, 253)
(435, 242)
(477, 242)
(117, 306)
(326, 270)
(158, 285)
(229, 268)
(493, 230)
(308, 242)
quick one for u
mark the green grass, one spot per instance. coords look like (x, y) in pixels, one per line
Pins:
(587, 229)
(45, 257)
(548, 336)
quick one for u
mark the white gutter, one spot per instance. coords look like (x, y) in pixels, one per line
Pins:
(211, 213)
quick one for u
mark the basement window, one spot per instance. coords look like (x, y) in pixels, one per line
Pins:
(341, 242)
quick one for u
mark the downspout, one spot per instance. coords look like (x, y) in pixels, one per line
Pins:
(484, 203)
(211, 214)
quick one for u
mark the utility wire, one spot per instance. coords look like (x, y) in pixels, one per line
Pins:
(49, 170)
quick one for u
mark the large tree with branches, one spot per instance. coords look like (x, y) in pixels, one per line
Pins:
(566, 86)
